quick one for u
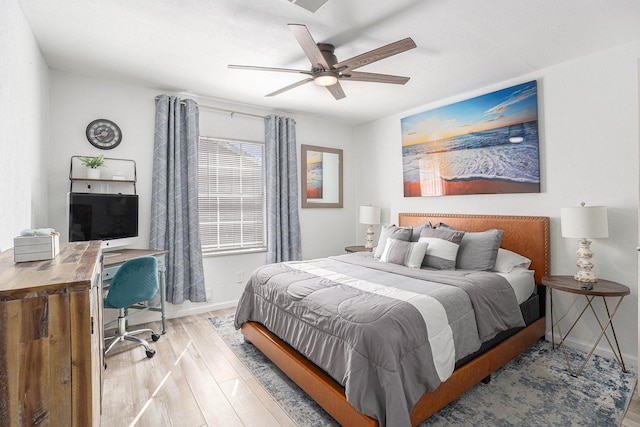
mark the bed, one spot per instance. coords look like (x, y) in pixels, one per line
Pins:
(437, 383)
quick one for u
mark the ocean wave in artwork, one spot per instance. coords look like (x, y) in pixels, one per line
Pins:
(476, 156)
(519, 164)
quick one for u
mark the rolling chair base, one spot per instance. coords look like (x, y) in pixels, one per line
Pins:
(122, 334)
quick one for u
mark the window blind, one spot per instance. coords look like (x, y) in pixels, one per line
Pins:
(231, 195)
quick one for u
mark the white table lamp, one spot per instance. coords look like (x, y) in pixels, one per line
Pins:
(369, 215)
(584, 222)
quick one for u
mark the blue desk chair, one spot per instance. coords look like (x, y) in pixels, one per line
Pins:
(136, 281)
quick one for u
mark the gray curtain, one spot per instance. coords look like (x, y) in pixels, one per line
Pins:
(174, 201)
(283, 223)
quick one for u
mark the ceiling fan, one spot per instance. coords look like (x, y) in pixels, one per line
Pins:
(327, 71)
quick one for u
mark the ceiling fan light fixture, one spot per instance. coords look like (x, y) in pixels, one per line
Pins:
(327, 71)
(325, 79)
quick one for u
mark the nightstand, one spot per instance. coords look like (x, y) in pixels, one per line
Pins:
(602, 288)
(352, 249)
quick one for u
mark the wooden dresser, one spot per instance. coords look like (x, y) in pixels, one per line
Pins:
(51, 344)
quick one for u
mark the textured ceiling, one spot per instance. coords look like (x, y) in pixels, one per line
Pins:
(186, 45)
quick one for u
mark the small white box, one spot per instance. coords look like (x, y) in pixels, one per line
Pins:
(36, 248)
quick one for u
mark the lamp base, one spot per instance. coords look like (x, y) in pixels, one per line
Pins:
(585, 277)
(369, 242)
(585, 254)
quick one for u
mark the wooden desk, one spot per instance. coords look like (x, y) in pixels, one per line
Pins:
(602, 288)
(114, 260)
(51, 342)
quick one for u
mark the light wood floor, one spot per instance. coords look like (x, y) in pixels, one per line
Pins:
(195, 380)
(632, 417)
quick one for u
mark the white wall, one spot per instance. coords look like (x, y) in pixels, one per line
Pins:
(24, 119)
(588, 118)
(77, 100)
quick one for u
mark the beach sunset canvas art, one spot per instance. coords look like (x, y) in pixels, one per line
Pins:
(484, 145)
(314, 175)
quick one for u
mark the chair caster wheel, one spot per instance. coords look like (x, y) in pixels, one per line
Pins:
(155, 337)
(150, 353)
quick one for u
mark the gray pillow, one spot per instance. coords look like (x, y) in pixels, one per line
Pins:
(443, 247)
(394, 232)
(410, 254)
(478, 250)
(415, 231)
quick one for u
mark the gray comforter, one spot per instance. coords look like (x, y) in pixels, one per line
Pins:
(387, 333)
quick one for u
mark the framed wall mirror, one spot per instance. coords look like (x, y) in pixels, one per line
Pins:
(321, 177)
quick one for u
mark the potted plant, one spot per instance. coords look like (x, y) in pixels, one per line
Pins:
(92, 164)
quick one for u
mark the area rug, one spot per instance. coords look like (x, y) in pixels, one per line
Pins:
(534, 389)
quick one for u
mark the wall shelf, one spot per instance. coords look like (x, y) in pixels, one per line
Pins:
(116, 176)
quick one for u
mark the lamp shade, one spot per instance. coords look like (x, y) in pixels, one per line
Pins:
(584, 222)
(369, 215)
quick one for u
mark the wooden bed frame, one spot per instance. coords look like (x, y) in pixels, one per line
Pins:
(528, 236)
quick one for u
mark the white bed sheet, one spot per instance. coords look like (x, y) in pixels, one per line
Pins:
(522, 281)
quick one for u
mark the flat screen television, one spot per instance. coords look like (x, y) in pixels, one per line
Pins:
(112, 218)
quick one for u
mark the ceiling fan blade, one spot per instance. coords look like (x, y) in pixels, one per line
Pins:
(291, 86)
(358, 76)
(309, 46)
(282, 70)
(376, 55)
(336, 91)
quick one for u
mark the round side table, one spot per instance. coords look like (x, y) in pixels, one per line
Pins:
(352, 249)
(601, 288)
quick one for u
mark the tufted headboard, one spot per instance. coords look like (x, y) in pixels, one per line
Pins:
(525, 235)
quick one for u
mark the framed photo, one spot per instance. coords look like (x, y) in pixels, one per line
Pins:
(484, 145)
(321, 177)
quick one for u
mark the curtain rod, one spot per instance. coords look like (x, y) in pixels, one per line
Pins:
(223, 110)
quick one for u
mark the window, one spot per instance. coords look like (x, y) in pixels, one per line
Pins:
(231, 195)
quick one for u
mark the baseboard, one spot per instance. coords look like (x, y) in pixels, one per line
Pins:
(630, 360)
(186, 309)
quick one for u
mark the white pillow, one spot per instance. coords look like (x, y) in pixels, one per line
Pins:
(508, 260)
(400, 252)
